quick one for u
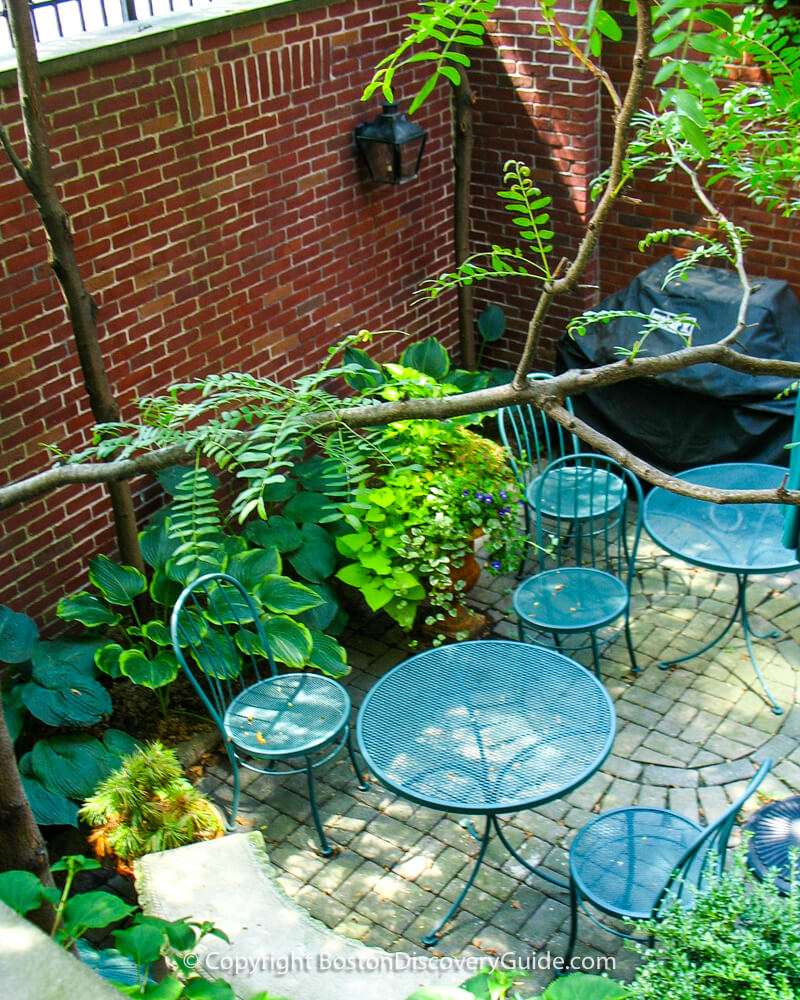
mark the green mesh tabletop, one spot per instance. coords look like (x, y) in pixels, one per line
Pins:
(743, 539)
(731, 538)
(485, 727)
(287, 715)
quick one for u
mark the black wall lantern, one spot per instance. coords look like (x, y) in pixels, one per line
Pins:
(391, 145)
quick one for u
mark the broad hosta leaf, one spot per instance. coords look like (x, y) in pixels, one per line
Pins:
(94, 909)
(87, 609)
(72, 764)
(119, 745)
(69, 698)
(279, 491)
(163, 590)
(328, 656)
(210, 560)
(321, 617)
(22, 891)
(18, 633)
(427, 356)
(48, 808)
(364, 372)
(309, 507)
(157, 632)
(151, 673)
(289, 641)
(14, 712)
(157, 546)
(77, 654)
(284, 596)
(118, 584)
(315, 560)
(107, 659)
(492, 323)
(227, 605)
(250, 568)
(218, 655)
(278, 532)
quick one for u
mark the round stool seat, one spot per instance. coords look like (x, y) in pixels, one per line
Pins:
(775, 829)
(287, 715)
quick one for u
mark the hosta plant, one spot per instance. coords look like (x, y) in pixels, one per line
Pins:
(186, 540)
(56, 683)
(147, 805)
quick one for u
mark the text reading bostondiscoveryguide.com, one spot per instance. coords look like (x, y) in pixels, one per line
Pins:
(218, 963)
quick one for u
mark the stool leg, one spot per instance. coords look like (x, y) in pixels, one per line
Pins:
(325, 848)
(362, 784)
(573, 925)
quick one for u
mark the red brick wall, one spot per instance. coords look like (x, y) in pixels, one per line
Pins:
(532, 105)
(222, 222)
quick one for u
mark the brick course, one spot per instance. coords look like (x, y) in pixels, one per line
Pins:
(222, 221)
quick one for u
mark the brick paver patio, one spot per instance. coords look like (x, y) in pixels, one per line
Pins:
(687, 738)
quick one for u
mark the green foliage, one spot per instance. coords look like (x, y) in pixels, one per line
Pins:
(681, 326)
(740, 939)
(413, 525)
(491, 327)
(529, 213)
(436, 35)
(138, 946)
(18, 633)
(147, 805)
(496, 984)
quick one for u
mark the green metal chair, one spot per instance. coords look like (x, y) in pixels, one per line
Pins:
(532, 442)
(634, 863)
(584, 513)
(275, 724)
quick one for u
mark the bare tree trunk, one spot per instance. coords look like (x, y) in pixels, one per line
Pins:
(81, 307)
(21, 843)
(463, 100)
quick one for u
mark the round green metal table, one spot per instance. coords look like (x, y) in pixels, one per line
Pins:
(484, 728)
(742, 539)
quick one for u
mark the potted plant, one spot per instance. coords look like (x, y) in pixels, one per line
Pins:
(148, 805)
(413, 525)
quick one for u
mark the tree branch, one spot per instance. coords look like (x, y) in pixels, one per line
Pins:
(622, 120)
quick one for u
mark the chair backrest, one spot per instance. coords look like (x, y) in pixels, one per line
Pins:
(707, 853)
(531, 439)
(219, 640)
(588, 513)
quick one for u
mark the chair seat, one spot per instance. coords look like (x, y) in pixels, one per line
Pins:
(570, 599)
(577, 493)
(622, 860)
(287, 716)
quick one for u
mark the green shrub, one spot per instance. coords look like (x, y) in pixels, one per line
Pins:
(147, 805)
(740, 941)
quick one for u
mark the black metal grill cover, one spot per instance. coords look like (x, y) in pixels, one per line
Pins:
(703, 414)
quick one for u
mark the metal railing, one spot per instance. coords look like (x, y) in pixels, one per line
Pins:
(54, 19)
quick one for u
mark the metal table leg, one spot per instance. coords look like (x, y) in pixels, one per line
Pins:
(739, 611)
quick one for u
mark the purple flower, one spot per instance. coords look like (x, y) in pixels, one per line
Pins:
(479, 495)
(496, 564)
(488, 498)
(503, 495)
(465, 493)
(502, 512)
